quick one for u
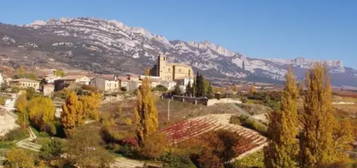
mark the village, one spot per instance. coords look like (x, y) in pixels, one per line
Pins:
(169, 81)
(189, 107)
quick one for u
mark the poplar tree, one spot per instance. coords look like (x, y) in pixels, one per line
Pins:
(72, 113)
(91, 104)
(146, 114)
(21, 109)
(283, 129)
(41, 112)
(318, 138)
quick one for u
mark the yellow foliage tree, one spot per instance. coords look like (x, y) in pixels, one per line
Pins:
(72, 113)
(283, 129)
(19, 158)
(320, 129)
(91, 104)
(21, 109)
(42, 113)
(146, 114)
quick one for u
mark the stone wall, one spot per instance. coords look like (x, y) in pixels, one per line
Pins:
(211, 102)
(204, 101)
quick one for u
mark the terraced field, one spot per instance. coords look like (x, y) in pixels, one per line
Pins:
(183, 130)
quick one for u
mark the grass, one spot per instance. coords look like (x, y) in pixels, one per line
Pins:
(255, 160)
(6, 144)
(16, 134)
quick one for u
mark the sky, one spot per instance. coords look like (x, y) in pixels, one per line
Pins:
(315, 29)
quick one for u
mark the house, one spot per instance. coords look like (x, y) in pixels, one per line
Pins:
(106, 84)
(51, 78)
(183, 83)
(71, 80)
(134, 84)
(48, 89)
(1, 79)
(25, 83)
(171, 71)
(123, 82)
(79, 79)
(170, 85)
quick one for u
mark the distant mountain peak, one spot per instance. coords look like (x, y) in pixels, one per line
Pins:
(110, 46)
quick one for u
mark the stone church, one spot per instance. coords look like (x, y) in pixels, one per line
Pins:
(171, 71)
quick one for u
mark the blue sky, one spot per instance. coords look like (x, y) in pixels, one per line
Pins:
(317, 29)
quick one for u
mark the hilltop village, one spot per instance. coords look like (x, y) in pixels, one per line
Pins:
(169, 116)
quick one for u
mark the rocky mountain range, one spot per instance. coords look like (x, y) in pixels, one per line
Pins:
(109, 46)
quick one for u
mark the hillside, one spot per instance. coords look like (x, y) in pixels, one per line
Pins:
(108, 46)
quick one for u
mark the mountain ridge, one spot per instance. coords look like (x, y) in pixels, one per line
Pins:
(109, 46)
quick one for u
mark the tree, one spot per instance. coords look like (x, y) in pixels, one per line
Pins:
(209, 89)
(155, 146)
(160, 88)
(116, 126)
(91, 104)
(199, 85)
(52, 150)
(41, 112)
(59, 73)
(217, 148)
(19, 158)
(177, 90)
(72, 113)
(84, 149)
(189, 89)
(202, 87)
(21, 108)
(283, 129)
(318, 137)
(146, 114)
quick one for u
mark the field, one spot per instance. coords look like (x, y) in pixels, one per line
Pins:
(250, 140)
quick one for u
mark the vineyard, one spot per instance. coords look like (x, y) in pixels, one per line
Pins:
(250, 140)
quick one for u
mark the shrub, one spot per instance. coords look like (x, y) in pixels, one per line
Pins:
(176, 161)
(123, 89)
(249, 122)
(255, 160)
(128, 151)
(216, 149)
(160, 88)
(52, 149)
(19, 158)
(235, 120)
(154, 146)
(2, 100)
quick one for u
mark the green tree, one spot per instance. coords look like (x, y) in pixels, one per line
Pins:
(72, 113)
(199, 85)
(318, 140)
(146, 114)
(177, 90)
(209, 89)
(59, 73)
(52, 149)
(19, 158)
(283, 129)
(202, 87)
(189, 89)
(42, 114)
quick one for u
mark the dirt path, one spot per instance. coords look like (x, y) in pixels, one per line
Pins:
(122, 162)
(28, 142)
